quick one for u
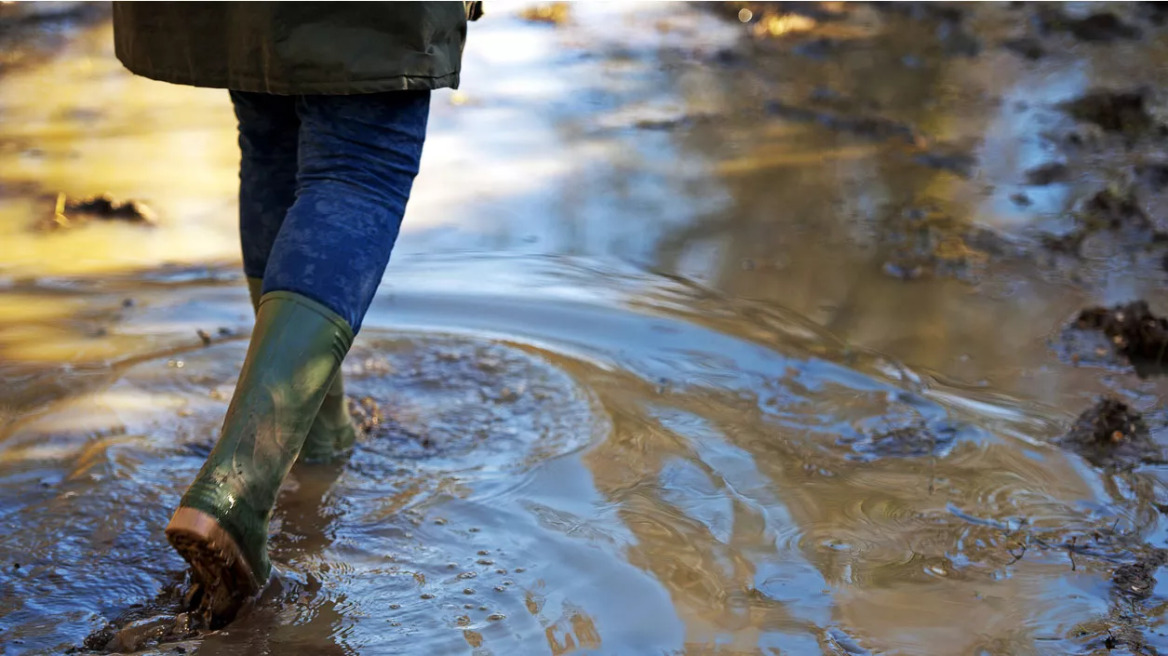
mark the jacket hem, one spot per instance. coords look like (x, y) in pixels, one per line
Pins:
(329, 88)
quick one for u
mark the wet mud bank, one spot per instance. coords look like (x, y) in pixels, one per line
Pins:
(752, 328)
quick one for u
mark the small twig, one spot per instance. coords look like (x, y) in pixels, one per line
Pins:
(1071, 551)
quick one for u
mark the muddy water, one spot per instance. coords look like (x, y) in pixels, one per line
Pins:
(648, 374)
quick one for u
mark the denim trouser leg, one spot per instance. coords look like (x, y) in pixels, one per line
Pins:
(269, 133)
(356, 158)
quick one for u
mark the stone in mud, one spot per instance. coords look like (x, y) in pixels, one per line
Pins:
(1133, 330)
(1112, 435)
(1125, 112)
(72, 213)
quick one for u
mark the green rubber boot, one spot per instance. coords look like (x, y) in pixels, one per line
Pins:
(221, 525)
(333, 432)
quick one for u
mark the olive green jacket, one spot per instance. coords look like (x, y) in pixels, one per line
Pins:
(293, 48)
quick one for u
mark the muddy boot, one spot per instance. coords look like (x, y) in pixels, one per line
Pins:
(333, 432)
(221, 525)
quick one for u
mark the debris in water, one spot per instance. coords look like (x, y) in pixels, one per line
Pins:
(1110, 434)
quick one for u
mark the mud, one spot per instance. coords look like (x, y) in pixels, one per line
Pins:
(1138, 580)
(641, 382)
(1133, 331)
(173, 616)
(1125, 112)
(1114, 214)
(1110, 434)
(70, 213)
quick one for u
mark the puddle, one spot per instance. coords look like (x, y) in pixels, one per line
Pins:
(727, 339)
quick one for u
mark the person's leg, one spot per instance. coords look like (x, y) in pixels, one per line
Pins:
(269, 135)
(357, 159)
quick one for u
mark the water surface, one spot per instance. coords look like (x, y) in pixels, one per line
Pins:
(646, 385)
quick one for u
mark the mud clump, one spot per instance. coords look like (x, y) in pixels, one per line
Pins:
(366, 414)
(913, 441)
(178, 613)
(1137, 580)
(1114, 210)
(1109, 434)
(1133, 331)
(1125, 112)
(73, 213)
(379, 424)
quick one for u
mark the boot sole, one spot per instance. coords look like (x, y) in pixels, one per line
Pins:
(228, 581)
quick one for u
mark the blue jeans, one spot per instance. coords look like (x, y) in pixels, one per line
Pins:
(324, 182)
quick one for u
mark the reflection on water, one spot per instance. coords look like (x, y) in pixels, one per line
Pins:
(642, 385)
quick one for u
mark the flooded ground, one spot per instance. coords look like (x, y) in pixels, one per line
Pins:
(708, 332)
